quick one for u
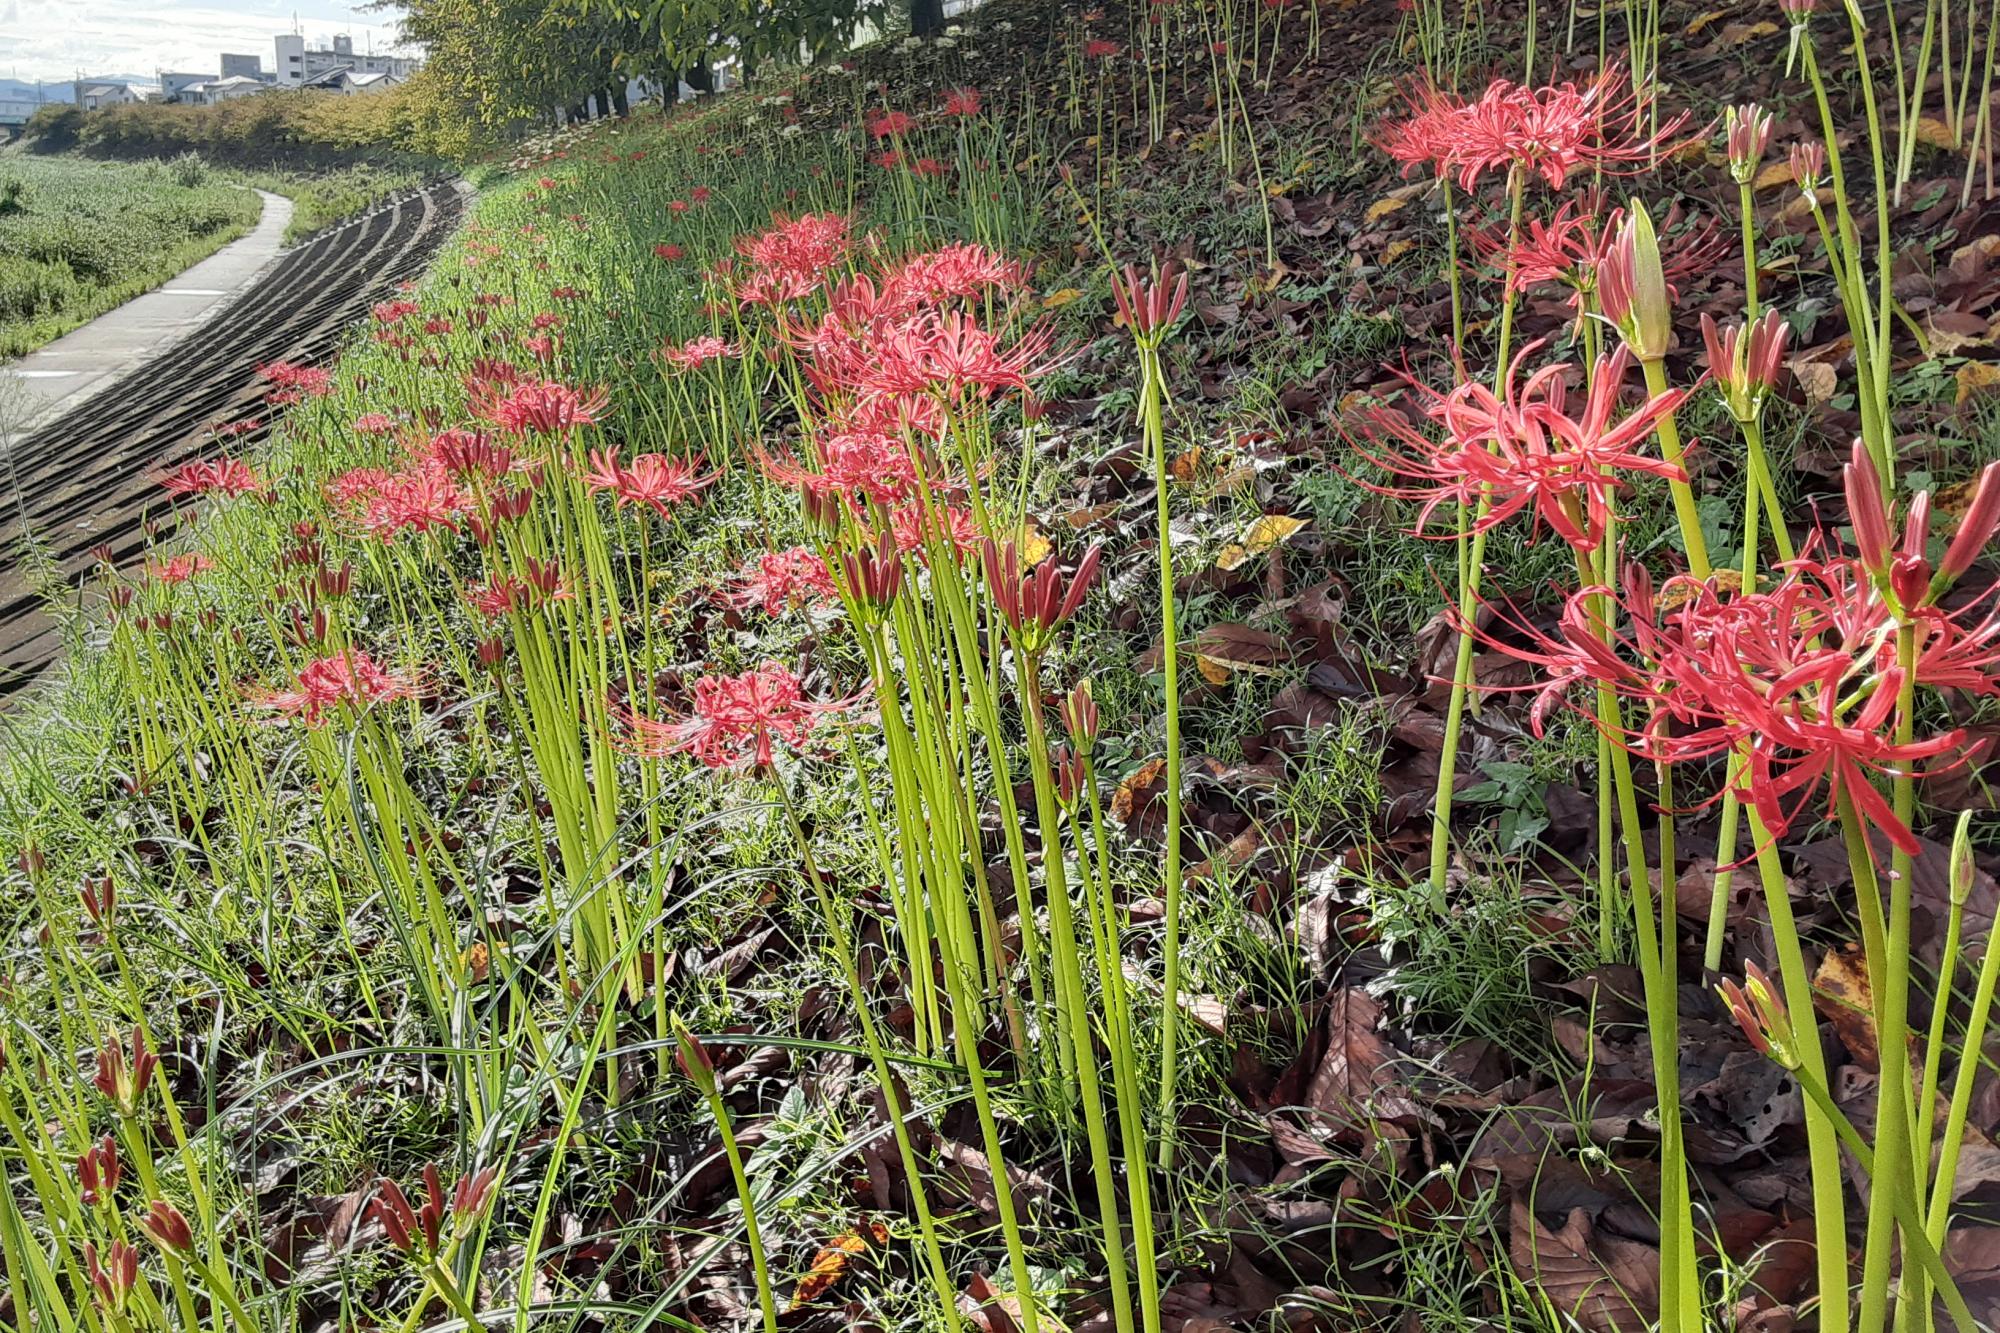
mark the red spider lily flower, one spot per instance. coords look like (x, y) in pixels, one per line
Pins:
(1150, 308)
(1803, 674)
(857, 465)
(219, 476)
(698, 352)
(425, 500)
(1035, 604)
(164, 1225)
(930, 277)
(1099, 49)
(659, 481)
(374, 423)
(952, 354)
(179, 568)
(1571, 246)
(294, 383)
(806, 247)
(355, 487)
(1426, 134)
(98, 1172)
(962, 102)
(874, 573)
(547, 319)
(781, 580)
(124, 1080)
(1555, 130)
(953, 526)
(1523, 450)
(469, 455)
(1745, 368)
(700, 194)
(737, 721)
(350, 678)
(1748, 132)
(668, 250)
(393, 312)
(540, 583)
(546, 407)
(113, 1280)
(928, 167)
(890, 125)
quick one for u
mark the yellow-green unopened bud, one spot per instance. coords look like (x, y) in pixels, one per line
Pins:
(1961, 860)
(1652, 316)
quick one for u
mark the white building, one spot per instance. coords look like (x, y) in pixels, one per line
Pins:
(299, 65)
(175, 84)
(222, 90)
(91, 95)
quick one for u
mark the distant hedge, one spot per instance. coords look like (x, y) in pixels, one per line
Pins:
(264, 129)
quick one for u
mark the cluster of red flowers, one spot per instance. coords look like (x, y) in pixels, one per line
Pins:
(216, 476)
(736, 721)
(328, 683)
(781, 580)
(291, 383)
(1805, 674)
(698, 352)
(661, 482)
(1550, 131)
(544, 407)
(793, 257)
(1522, 449)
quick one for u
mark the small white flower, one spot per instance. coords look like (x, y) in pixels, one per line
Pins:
(955, 30)
(945, 43)
(791, 131)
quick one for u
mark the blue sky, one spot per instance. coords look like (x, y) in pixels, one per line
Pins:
(53, 39)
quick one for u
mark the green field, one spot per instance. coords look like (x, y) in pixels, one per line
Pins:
(79, 237)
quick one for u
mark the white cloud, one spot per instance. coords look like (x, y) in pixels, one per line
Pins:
(54, 39)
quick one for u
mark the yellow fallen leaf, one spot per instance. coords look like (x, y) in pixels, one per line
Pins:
(1976, 377)
(1396, 250)
(1775, 174)
(1382, 208)
(1034, 547)
(1936, 133)
(1816, 379)
(1743, 32)
(1703, 20)
(1259, 537)
(1214, 671)
(1057, 299)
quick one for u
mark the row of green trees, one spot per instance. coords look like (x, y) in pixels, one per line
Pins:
(492, 64)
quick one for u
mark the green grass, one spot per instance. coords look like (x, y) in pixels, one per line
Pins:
(322, 198)
(79, 237)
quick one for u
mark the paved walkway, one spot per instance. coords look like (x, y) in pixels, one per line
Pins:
(36, 387)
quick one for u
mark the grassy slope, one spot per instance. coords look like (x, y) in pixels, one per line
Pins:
(88, 236)
(261, 938)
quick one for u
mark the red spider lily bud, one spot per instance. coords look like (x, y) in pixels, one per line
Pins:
(1068, 767)
(482, 532)
(822, 511)
(471, 1195)
(1761, 1014)
(1035, 604)
(1149, 309)
(31, 861)
(399, 1221)
(101, 553)
(1749, 134)
(1808, 164)
(1800, 13)
(544, 577)
(100, 901)
(431, 1216)
(1975, 529)
(166, 1228)
(1079, 715)
(123, 1081)
(121, 595)
(114, 1279)
(98, 1171)
(309, 631)
(491, 652)
(694, 1060)
(1745, 367)
(332, 583)
(874, 573)
(1632, 287)
(514, 505)
(1866, 511)
(1961, 867)
(1034, 407)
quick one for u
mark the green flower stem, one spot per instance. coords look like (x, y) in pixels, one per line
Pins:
(1822, 1138)
(752, 1236)
(878, 1058)
(1969, 1062)
(1468, 583)
(1685, 512)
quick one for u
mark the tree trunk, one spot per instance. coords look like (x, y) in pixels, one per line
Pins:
(621, 99)
(926, 17)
